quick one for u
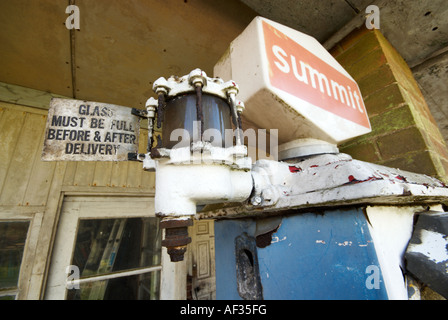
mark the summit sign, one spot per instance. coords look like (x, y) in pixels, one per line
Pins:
(89, 131)
(301, 73)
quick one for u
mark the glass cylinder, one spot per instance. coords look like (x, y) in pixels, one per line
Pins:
(181, 123)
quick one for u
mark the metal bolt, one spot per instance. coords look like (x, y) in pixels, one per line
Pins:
(256, 200)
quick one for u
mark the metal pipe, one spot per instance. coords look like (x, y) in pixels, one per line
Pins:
(114, 275)
(160, 108)
(199, 111)
(233, 110)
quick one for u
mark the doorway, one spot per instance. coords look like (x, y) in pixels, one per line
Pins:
(201, 270)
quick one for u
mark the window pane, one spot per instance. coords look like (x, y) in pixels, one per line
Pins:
(12, 244)
(108, 245)
(139, 287)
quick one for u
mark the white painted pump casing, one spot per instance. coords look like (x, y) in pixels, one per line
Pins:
(180, 188)
(199, 174)
(267, 106)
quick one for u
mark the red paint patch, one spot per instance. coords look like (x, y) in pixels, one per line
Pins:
(294, 169)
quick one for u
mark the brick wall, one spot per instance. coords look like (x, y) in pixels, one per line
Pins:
(404, 134)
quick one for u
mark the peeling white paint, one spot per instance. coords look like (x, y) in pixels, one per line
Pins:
(276, 239)
(433, 246)
(391, 229)
(320, 241)
(345, 243)
(331, 180)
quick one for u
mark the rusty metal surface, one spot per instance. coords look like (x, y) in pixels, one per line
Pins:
(160, 109)
(89, 131)
(200, 114)
(248, 278)
(176, 237)
(177, 253)
(176, 223)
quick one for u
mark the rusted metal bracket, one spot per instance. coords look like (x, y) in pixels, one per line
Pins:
(160, 109)
(139, 113)
(199, 111)
(136, 156)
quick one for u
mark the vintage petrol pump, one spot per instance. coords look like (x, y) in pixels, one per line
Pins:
(195, 163)
(316, 224)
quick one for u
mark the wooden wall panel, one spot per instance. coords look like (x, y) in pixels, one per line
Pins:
(23, 150)
(119, 174)
(11, 124)
(102, 174)
(122, 174)
(84, 173)
(41, 177)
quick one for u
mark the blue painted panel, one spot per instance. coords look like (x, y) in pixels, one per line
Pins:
(316, 256)
(312, 256)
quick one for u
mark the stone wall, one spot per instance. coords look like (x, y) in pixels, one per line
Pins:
(404, 133)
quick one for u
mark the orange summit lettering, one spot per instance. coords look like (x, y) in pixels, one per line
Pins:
(295, 70)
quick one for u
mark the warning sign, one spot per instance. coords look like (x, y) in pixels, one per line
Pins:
(89, 131)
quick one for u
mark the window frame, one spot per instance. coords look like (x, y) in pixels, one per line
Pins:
(5, 218)
(77, 208)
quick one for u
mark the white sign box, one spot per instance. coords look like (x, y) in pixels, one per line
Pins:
(290, 82)
(89, 131)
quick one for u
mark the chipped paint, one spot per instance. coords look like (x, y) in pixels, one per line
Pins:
(276, 239)
(434, 245)
(353, 180)
(294, 169)
(345, 243)
(331, 180)
(427, 253)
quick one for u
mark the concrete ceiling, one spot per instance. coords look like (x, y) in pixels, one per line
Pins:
(416, 28)
(123, 46)
(320, 19)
